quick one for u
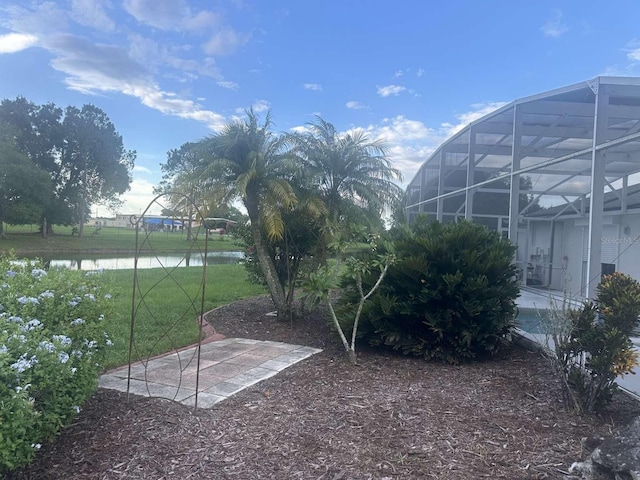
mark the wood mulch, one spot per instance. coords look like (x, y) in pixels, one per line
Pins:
(390, 417)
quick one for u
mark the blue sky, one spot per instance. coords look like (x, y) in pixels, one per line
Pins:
(410, 72)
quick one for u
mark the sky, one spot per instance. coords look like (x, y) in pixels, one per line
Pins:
(408, 72)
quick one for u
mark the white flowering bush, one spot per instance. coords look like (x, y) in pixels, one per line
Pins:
(51, 348)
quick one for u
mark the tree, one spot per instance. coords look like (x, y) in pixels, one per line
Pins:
(94, 163)
(348, 170)
(79, 149)
(320, 284)
(247, 161)
(37, 133)
(23, 186)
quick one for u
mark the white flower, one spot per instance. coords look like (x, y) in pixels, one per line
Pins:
(37, 446)
(20, 337)
(90, 344)
(63, 357)
(90, 296)
(72, 303)
(76, 408)
(109, 343)
(24, 300)
(74, 370)
(38, 273)
(46, 346)
(63, 339)
(46, 294)
(3, 349)
(14, 319)
(107, 296)
(77, 321)
(23, 364)
(31, 325)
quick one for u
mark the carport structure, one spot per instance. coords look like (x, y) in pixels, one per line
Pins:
(538, 170)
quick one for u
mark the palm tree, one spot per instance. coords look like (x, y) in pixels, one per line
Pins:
(352, 175)
(349, 169)
(247, 161)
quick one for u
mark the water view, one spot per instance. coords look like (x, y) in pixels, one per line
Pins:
(88, 262)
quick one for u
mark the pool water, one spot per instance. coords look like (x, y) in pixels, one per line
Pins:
(529, 320)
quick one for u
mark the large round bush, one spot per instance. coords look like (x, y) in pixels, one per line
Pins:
(51, 348)
(450, 295)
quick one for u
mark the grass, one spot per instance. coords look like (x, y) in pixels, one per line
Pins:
(166, 318)
(26, 240)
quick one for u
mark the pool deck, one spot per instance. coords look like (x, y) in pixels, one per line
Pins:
(536, 299)
(533, 299)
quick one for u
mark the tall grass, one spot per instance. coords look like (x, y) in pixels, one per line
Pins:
(165, 317)
(26, 240)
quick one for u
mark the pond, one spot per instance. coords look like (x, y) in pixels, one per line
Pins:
(123, 262)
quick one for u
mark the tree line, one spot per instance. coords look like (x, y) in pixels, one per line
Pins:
(301, 191)
(56, 163)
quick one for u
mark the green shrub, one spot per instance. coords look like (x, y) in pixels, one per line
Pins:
(51, 346)
(449, 295)
(598, 347)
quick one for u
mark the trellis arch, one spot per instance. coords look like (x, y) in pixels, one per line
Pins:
(181, 381)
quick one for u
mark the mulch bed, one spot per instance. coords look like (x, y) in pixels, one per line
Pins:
(390, 417)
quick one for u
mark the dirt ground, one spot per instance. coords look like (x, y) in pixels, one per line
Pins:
(390, 417)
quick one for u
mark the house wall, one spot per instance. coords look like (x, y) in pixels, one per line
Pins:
(572, 256)
(629, 245)
(546, 259)
(620, 244)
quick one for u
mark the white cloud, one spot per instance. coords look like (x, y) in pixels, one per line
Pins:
(228, 84)
(633, 51)
(478, 110)
(313, 86)
(102, 68)
(300, 129)
(390, 90)
(93, 68)
(41, 20)
(258, 106)
(170, 15)
(138, 197)
(410, 142)
(225, 42)
(353, 105)
(141, 169)
(554, 27)
(261, 106)
(155, 56)
(15, 42)
(420, 72)
(398, 74)
(92, 13)
(201, 20)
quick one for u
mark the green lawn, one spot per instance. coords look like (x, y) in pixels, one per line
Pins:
(25, 240)
(165, 317)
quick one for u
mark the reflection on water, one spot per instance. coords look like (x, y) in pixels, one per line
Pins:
(150, 261)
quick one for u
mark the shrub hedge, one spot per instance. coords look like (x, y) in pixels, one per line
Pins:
(450, 295)
(51, 347)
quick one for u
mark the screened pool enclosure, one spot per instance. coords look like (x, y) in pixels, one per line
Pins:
(558, 173)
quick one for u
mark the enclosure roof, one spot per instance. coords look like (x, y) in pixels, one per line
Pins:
(555, 136)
